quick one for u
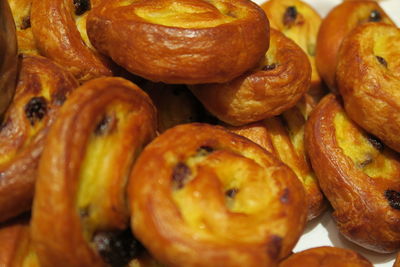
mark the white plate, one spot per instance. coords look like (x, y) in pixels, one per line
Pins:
(322, 231)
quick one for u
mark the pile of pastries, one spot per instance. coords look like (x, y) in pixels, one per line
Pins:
(199, 133)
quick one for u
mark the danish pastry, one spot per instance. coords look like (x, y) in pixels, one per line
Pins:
(368, 78)
(59, 30)
(326, 257)
(275, 86)
(335, 26)
(358, 175)
(182, 42)
(300, 22)
(203, 196)
(283, 136)
(83, 172)
(41, 90)
(21, 10)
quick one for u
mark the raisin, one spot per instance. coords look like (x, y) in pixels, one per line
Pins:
(375, 142)
(180, 174)
(274, 246)
(394, 198)
(375, 16)
(231, 192)
(269, 67)
(26, 22)
(81, 6)
(105, 125)
(36, 109)
(382, 61)
(285, 196)
(204, 150)
(117, 248)
(290, 16)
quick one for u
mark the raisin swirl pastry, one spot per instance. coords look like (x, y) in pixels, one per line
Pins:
(59, 30)
(21, 10)
(326, 257)
(41, 90)
(203, 196)
(83, 172)
(275, 86)
(368, 76)
(358, 175)
(335, 27)
(300, 22)
(186, 41)
(283, 136)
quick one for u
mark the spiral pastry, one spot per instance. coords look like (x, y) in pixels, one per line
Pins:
(300, 22)
(335, 27)
(283, 136)
(82, 175)
(326, 257)
(358, 175)
(275, 86)
(368, 76)
(188, 41)
(42, 88)
(202, 196)
(59, 30)
(21, 10)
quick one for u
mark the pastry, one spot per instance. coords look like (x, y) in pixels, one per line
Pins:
(335, 26)
(59, 30)
(181, 42)
(202, 196)
(326, 257)
(358, 175)
(300, 22)
(42, 88)
(368, 78)
(276, 85)
(89, 152)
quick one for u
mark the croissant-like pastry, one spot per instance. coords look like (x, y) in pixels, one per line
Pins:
(275, 86)
(42, 88)
(59, 30)
(203, 196)
(368, 78)
(326, 257)
(358, 175)
(21, 10)
(335, 27)
(300, 22)
(283, 136)
(80, 217)
(187, 41)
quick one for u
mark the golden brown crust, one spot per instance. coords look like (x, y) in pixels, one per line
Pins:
(187, 41)
(335, 27)
(326, 257)
(59, 30)
(83, 172)
(10, 237)
(275, 86)
(358, 175)
(300, 22)
(202, 196)
(42, 88)
(368, 78)
(283, 136)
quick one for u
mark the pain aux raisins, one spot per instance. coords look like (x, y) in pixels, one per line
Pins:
(36, 109)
